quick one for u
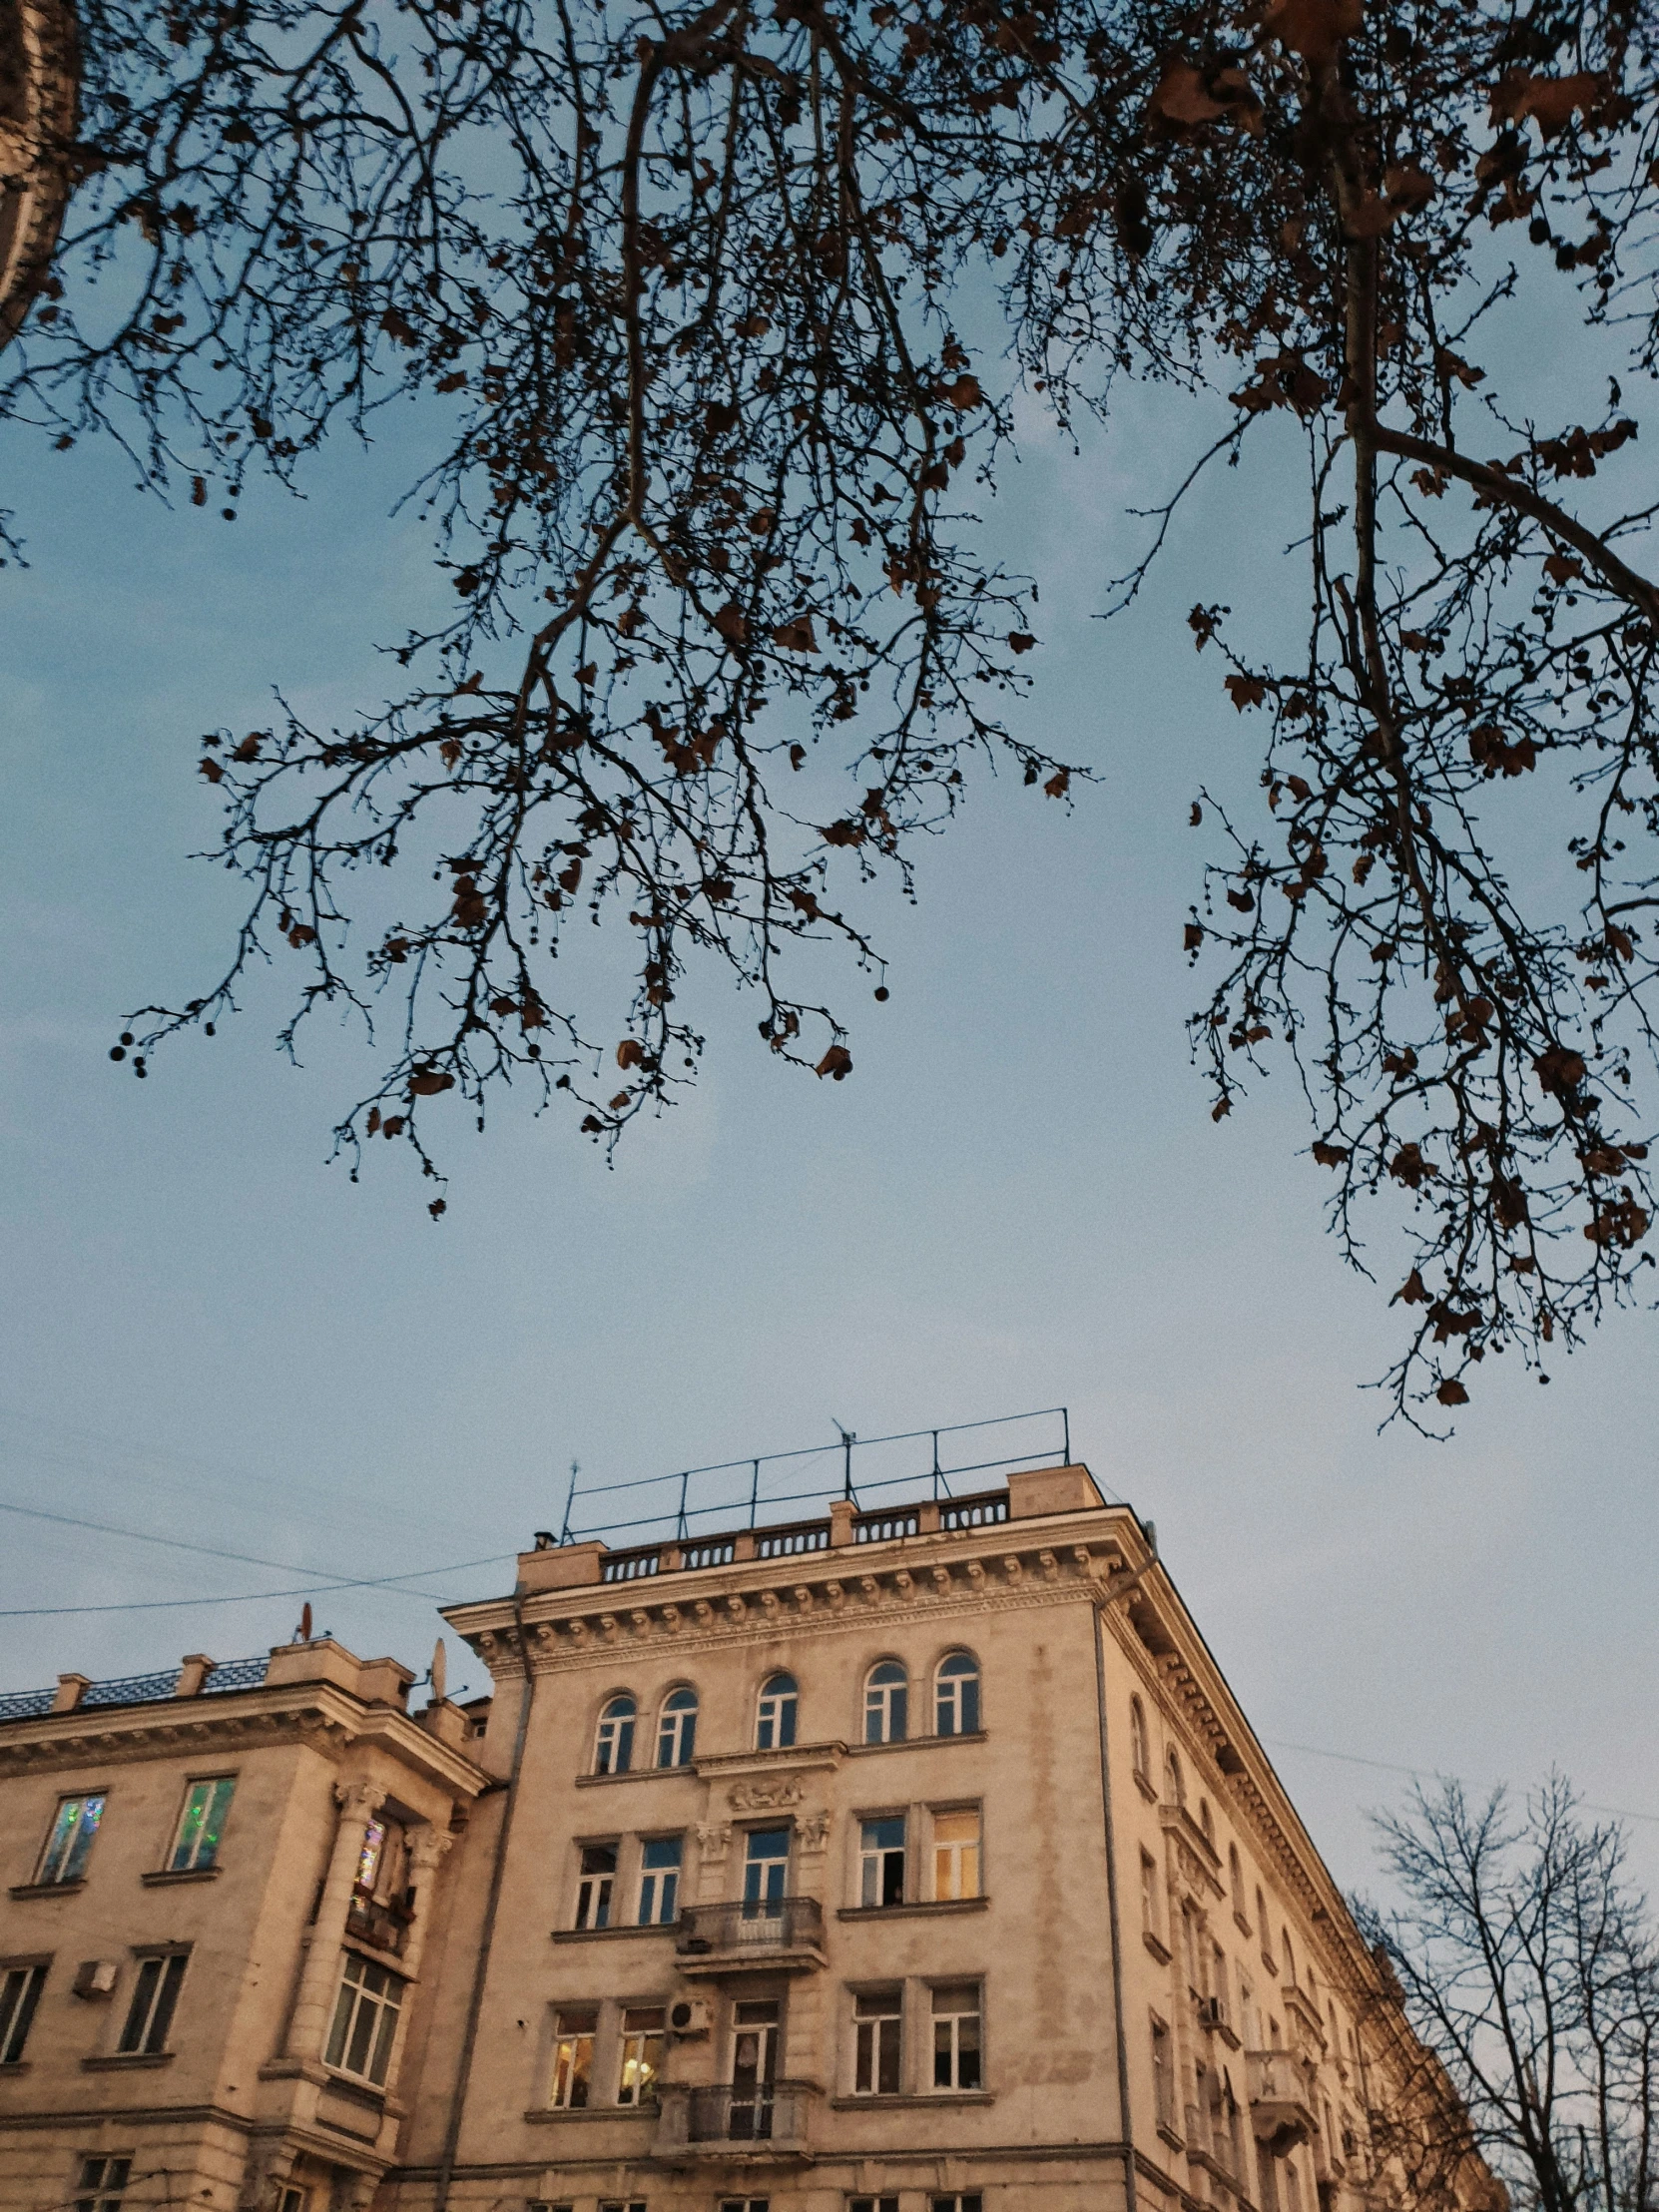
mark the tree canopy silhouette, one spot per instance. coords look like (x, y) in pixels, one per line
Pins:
(691, 294)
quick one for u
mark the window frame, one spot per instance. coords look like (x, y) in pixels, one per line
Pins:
(1176, 1776)
(1163, 2076)
(150, 2013)
(186, 1854)
(1140, 1743)
(595, 1885)
(21, 1984)
(886, 1695)
(782, 1721)
(887, 1995)
(957, 1851)
(76, 1847)
(638, 2096)
(660, 1908)
(874, 1861)
(569, 2036)
(961, 1692)
(677, 1728)
(955, 2087)
(388, 2002)
(614, 1732)
(99, 2195)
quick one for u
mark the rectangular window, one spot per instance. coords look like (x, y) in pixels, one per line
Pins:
(593, 1889)
(619, 2204)
(574, 2029)
(756, 2204)
(1163, 2079)
(365, 2020)
(291, 2200)
(882, 1862)
(659, 1880)
(972, 2201)
(957, 1854)
(1217, 1974)
(1149, 1897)
(765, 1872)
(74, 1825)
(534, 2204)
(872, 2204)
(155, 1995)
(877, 2020)
(101, 2181)
(956, 2037)
(201, 1825)
(642, 2054)
(20, 1989)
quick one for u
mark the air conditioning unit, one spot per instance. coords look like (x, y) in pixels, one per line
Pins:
(94, 1977)
(1211, 2012)
(692, 2016)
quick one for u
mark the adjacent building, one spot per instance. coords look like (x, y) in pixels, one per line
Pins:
(912, 1861)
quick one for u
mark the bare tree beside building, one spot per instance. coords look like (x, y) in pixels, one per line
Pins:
(1525, 1961)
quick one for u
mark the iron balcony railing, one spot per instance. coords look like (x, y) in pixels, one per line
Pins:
(749, 2112)
(770, 1925)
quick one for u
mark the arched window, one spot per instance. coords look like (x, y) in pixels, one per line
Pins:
(775, 1715)
(1235, 1875)
(1177, 1781)
(1262, 1922)
(1290, 1956)
(956, 1696)
(886, 1700)
(1204, 1820)
(1137, 1739)
(613, 1750)
(677, 1729)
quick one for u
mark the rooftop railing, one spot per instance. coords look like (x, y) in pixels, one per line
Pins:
(801, 1538)
(136, 1689)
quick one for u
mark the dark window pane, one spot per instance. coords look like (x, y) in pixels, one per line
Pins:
(138, 2012)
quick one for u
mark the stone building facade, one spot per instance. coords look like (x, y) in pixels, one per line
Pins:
(916, 1861)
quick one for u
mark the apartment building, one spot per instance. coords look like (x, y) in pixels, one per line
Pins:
(913, 1861)
(215, 1886)
(903, 1861)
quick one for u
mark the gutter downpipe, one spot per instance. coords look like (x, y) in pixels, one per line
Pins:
(476, 2008)
(1098, 1611)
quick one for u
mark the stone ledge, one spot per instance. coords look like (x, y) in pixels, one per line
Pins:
(48, 1889)
(923, 1909)
(117, 2061)
(166, 1877)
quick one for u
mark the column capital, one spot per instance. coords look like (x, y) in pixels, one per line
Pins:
(428, 1846)
(360, 1799)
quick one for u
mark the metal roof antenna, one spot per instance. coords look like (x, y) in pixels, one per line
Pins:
(570, 1499)
(849, 1437)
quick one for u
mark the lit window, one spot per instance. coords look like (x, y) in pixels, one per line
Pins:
(677, 1730)
(956, 1696)
(155, 1995)
(956, 2037)
(614, 1745)
(74, 1825)
(659, 1880)
(642, 2054)
(775, 1715)
(365, 2020)
(882, 1862)
(20, 1989)
(887, 1698)
(876, 2021)
(573, 2033)
(593, 1886)
(201, 1825)
(957, 1854)
(1137, 1739)
(1163, 2081)
(1177, 1781)
(103, 2180)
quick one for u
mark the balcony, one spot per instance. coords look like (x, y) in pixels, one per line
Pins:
(1281, 2098)
(752, 2123)
(775, 1935)
(385, 1923)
